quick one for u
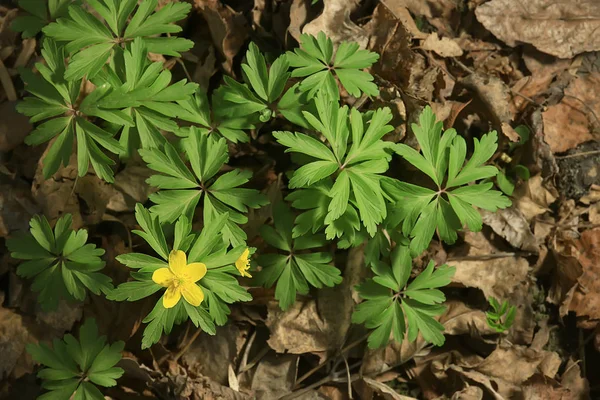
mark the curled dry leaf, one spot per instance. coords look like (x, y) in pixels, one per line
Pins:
(335, 22)
(579, 110)
(563, 29)
(445, 47)
(510, 224)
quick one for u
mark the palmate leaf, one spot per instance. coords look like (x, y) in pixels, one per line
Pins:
(262, 95)
(39, 14)
(73, 367)
(91, 41)
(181, 189)
(316, 61)
(60, 262)
(55, 99)
(390, 305)
(196, 109)
(295, 270)
(219, 286)
(143, 90)
(453, 205)
(354, 157)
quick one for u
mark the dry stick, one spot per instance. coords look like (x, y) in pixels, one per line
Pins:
(582, 154)
(318, 367)
(184, 349)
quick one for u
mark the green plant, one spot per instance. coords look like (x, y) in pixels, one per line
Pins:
(99, 91)
(300, 266)
(500, 317)
(182, 188)
(60, 262)
(74, 367)
(347, 169)
(391, 306)
(217, 284)
(509, 174)
(316, 61)
(39, 14)
(450, 205)
(92, 41)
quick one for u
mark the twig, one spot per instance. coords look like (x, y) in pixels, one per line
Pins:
(186, 347)
(318, 367)
(582, 154)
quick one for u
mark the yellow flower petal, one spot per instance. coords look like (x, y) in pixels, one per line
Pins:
(243, 263)
(177, 262)
(163, 276)
(172, 296)
(192, 293)
(194, 272)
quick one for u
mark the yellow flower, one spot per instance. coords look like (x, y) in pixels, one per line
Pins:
(180, 280)
(243, 264)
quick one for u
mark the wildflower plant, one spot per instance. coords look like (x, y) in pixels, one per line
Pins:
(97, 92)
(60, 261)
(73, 369)
(196, 275)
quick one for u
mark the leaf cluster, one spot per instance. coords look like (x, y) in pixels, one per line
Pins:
(91, 41)
(298, 264)
(60, 261)
(394, 307)
(182, 187)
(219, 285)
(452, 204)
(501, 316)
(74, 367)
(340, 179)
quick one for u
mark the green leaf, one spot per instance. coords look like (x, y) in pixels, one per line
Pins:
(293, 272)
(87, 359)
(315, 60)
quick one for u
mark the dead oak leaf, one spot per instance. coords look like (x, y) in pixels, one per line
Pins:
(563, 29)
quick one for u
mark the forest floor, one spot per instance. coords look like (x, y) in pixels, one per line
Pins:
(481, 66)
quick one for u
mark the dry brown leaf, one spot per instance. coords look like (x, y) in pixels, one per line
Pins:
(211, 355)
(516, 364)
(299, 329)
(438, 13)
(130, 187)
(586, 298)
(16, 206)
(445, 47)
(228, 28)
(578, 110)
(382, 390)
(403, 15)
(492, 93)
(298, 16)
(335, 22)
(563, 29)
(459, 319)
(275, 376)
(571, 380)
(13, 338)
(533, 198)
(495, 277)
(510, 224)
